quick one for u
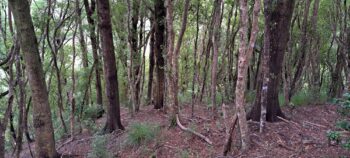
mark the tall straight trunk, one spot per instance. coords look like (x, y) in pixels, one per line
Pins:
(83, 47)
(113, 121)
(135, 55)
(315, 56)
(173, 53)
(277, 24)
(159, 51)
(245, 52)
(195, 68)
(216, 45)
(151, 66)
(44, 142)
(71, 97)
(90, 9)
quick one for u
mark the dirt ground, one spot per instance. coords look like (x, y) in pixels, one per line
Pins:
(303, 136)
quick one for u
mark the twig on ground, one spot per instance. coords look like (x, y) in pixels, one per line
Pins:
(65, 143)
(314, 124)
(288, 121)
(192, 131)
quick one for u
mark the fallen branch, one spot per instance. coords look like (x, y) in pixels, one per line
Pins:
(192, 131)
(285, 120)
(65, 143)
(315, 124)
(229, 136)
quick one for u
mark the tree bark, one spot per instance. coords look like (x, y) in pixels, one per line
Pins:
(245, 51)
(159, 51)
(303, 45)
(45, 143)
(216, 45)
(90, 9)
(277, 24)
(110, 70)
(151, 66)
(173, 53)
(195, 68)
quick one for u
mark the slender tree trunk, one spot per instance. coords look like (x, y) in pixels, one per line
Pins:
(135, 55)
(173, 53)
(315, 57)
(216, 45)
(110, 70)
(90, 9)
(151, 66)
(245, 52)
(44, 143)
(302, 54)
(195, 68)
(21, 105)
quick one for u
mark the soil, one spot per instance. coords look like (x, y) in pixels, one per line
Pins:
(303, 135)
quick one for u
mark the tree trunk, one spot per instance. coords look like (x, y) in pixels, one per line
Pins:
(159, 50)
(216, 45)
(90, 9)
(245, 51)
(135, 56)
(44, 143)
(173, 53)
(110, 70)
(21, 105)
(303, 45)
(195, 68)
(151, 66)
(277, 24)
(315, 54)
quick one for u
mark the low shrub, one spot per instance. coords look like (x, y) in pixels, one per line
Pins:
(142, 132)
(99, 148)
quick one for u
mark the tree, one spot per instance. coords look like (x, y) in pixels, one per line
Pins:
(245, 51)
(110, 70)
(277, 24)
(45, 143)
(159, 50)
(216, 45)
(90, 9)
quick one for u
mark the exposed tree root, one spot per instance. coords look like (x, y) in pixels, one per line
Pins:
(192, 131)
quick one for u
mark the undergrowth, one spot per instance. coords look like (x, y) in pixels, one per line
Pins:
(142, 133)
(344, 123)
(99, 148)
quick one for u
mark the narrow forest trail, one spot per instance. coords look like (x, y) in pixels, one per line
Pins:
(303, 136)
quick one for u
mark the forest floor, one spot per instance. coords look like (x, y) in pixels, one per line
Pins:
(302, 136)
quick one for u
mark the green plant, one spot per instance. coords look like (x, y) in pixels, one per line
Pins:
(99, 148)
(333, 135)
(343, 124)
(142, 132)
(184, 154)
(347, 145)
(93, 112)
